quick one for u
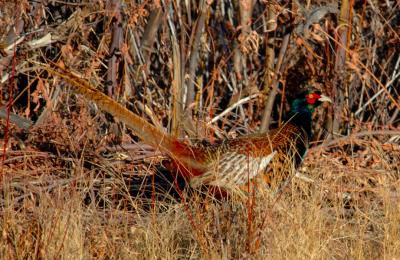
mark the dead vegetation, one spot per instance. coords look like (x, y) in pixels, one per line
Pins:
(202, 71)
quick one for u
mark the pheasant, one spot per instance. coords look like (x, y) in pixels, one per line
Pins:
(228, 164)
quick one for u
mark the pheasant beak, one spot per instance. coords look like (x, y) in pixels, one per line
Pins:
(324, 98)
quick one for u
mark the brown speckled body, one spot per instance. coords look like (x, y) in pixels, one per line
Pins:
(234, 162)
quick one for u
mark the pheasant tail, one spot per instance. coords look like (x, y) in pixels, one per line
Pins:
(186, 158)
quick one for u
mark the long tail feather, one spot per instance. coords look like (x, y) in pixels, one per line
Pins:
(184, 155)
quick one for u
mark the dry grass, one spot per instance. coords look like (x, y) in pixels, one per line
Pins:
(347, 207)
(306, 222)
(64, 178)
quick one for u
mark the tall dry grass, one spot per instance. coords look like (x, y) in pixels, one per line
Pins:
(66, 168)
(338, 206)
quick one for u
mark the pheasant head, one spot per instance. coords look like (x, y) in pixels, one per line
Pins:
(303, 106)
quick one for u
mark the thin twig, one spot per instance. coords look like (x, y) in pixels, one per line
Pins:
(229, 109)
(353, 136)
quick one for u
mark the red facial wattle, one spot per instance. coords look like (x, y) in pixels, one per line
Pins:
(312, 98)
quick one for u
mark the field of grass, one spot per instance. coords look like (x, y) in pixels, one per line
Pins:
(67, 168)
(338, 206)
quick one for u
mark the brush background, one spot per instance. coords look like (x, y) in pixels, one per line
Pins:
(65, 180)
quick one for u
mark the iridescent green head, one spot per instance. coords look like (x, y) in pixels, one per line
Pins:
(303, 106)
(307, 101)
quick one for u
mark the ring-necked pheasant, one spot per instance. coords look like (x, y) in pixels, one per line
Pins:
(228, 164)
